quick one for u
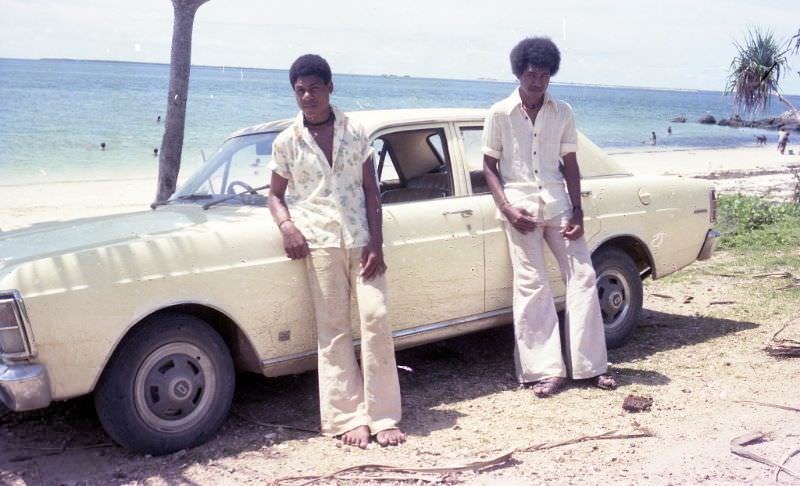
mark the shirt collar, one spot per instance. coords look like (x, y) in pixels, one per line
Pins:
(515, 100)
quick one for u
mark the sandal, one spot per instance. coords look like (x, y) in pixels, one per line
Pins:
(605, 381)
(547, 387)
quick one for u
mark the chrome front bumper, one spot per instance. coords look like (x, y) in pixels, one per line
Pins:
(24, 386)
(712, 239)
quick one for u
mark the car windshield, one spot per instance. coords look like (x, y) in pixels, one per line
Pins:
(238, 166)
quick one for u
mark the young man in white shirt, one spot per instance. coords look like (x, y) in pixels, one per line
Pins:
(531, 168)
(325, 200)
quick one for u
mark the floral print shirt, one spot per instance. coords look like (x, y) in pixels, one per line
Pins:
(326, 202)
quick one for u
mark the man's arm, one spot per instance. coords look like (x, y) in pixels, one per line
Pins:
(520, 218)
(572, 175)
(293, 240)
(372, 263)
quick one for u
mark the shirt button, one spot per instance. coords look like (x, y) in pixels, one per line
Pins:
(535, 171)
(534, 152)
(540, 187)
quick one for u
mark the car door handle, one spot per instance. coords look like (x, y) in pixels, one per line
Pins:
(463, 212)
(586, 193)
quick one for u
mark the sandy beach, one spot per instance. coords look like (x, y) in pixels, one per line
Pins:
(750, 170)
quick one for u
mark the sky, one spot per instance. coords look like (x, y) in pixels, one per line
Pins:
(684, 44)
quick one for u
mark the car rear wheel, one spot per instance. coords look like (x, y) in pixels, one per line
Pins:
(169, 385)
(619, 288)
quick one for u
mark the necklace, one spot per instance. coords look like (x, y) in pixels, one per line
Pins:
(309, 124)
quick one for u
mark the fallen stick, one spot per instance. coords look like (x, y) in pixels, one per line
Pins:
(470, 466)
(721, 302)
(783, 460)
(782, 407)
(738, 447)
(474, 466)
(662, 296)
(275, 425)
(604, 436)
(773, 274)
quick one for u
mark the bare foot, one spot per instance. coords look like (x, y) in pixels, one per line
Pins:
(358, 437)
(393, 437)
(547, 387)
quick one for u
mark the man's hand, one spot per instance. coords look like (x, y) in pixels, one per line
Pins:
(574, 229)
(372, 264)
(293, 241)
(520, 218)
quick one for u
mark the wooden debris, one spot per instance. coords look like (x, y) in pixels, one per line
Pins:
(721, 302)
(442, 474)
(774, 274)
(783, 461)
(783, 347)
(634, 403)
(662, 296)
(782, 407)
(738, 447)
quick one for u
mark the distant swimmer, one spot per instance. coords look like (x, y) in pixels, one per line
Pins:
(761, 139)
(652, 138)
(102, 145)
(155, 152)
(669, 130)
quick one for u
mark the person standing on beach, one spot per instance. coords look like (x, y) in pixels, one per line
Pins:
(526, 137)
(324, 199)
(783, 139)
(653, 137)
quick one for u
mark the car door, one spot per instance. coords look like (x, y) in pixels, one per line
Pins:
(499, 275)
(432, 231)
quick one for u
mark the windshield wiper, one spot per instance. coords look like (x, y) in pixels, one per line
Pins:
(253, 191)
(188, 197)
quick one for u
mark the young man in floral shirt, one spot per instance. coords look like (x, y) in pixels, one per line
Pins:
(325, 200)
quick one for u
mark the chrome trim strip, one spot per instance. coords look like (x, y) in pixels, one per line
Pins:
(23, 325)
(700, 211)
(404, 333)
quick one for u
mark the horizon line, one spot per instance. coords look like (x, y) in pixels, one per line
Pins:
(482, 79)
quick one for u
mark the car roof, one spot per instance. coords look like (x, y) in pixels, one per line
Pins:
(373, 120)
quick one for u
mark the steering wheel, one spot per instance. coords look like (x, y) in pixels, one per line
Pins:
(243, 184)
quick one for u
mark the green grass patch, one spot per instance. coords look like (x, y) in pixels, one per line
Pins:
(750, 223)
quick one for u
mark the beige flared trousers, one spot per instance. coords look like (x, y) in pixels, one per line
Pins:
(348, 396)
(538, 352)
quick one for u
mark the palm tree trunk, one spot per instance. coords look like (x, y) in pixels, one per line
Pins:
(169, 157)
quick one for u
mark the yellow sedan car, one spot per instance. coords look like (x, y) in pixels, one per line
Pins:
(155, 311)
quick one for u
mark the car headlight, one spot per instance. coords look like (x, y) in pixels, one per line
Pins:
(14, 340)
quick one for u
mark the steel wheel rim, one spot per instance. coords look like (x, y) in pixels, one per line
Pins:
(174, 387)
(614, 293)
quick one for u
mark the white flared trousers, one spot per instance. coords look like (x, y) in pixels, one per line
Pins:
(348, 396)
(538, 351)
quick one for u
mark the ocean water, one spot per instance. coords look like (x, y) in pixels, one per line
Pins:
(55, 113)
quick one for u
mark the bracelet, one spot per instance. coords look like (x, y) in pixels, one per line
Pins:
(284, 221)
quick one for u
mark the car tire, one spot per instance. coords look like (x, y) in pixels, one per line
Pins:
(168, 386)
(619, 288)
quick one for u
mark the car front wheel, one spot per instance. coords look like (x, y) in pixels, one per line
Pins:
(619, 288)
(169, 385)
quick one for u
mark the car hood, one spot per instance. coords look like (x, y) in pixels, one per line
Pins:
(170, 231)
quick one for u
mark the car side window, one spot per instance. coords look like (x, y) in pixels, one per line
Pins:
(421, 166)
(471, 137)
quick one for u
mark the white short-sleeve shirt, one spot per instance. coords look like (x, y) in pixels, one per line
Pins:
(326, 202)
(530, 154)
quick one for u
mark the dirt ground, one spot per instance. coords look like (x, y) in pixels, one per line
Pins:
(697, 352)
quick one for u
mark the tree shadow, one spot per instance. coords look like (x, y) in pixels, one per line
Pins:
(432, 377)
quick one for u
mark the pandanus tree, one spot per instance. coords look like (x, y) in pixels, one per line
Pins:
(169, 157)
(756, 71)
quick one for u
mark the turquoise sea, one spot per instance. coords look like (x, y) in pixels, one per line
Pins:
(55, 113)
